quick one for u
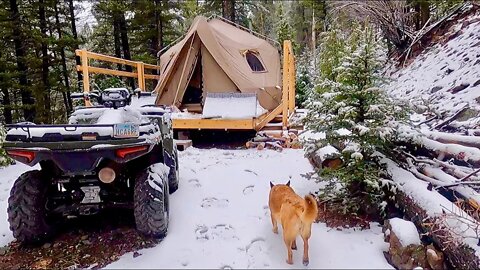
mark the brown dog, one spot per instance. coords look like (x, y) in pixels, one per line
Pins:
(295, 214)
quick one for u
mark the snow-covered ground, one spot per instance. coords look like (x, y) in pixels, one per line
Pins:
(219, 217)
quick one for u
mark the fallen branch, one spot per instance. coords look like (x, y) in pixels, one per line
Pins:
(427, 121)
(465, 153)
(470, 175)
(422, 176)
(444, 137)
(451, 118)
(461, 169)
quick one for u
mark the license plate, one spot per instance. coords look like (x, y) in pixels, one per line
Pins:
(127, 130)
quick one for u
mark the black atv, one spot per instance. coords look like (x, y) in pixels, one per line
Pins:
(109, 155)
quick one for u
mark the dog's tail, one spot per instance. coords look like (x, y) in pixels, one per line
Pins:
(311, 209)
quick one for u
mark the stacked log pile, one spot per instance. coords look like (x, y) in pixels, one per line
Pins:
(445, 153)
(276, 142)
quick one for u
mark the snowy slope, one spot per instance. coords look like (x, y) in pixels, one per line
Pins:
(436, 77)
(220, 218)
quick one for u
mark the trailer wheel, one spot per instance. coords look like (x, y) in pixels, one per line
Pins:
(151, 206)
(27, 213)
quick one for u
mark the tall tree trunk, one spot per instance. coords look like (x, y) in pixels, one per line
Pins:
(45, 63)
(232, 10)
(116, 39)
(225, 9)
(157, 43)
(314, 33)
(424, 12)
(228, 9)
(422, 9)
(125, 45)
(301, 26)
(75, 37)
(323, 16)
(27, 99)
(66, 94)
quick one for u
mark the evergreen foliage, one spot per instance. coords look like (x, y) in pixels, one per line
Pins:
(356, 117)
(4, 159)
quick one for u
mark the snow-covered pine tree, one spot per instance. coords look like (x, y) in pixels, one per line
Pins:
(283, 28)
(4, 159)
(306, 76)
(356, 117)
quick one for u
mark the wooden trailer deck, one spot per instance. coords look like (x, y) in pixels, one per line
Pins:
(277, 119)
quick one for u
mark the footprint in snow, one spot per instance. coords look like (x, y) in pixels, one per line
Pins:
(201, 233)
(224, 232)
(195, 182)
(250, 171)
(257, 253)
(266, 210)
(214, 202)
(248, 189)
(219, 231)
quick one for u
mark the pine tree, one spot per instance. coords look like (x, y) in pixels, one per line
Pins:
(16, 32)
(283, 27)
(305, 77)
(4, 159)
(358, 119)
(262, 20)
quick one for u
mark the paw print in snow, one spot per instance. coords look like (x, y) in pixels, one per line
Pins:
(214, 202)
(248, 189)
(195, 183)
(201, 233)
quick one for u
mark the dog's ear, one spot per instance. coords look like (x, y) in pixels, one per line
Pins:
(288, 183)
(271, 184)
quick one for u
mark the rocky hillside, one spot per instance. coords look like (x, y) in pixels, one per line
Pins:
(445, 77)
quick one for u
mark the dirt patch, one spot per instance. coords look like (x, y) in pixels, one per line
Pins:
(331, 213)
(87, 242)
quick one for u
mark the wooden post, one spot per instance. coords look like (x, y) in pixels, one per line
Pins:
(86, 81)
(141, 75)
(291, 88)
(85, 77)
(286, 60)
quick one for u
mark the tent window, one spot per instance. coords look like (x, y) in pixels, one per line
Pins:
(254, 61)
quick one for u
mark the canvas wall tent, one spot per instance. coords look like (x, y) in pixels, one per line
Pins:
(217, 57)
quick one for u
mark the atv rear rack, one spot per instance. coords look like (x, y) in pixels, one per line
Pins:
(64, 133)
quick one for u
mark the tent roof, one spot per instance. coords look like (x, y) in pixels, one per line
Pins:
(227, 45)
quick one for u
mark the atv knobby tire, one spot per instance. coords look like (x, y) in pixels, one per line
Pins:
(173, 175)
(27, 213)
(150, 202)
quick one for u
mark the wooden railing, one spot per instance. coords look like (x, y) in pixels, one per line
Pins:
(140, 67)
(287, 107)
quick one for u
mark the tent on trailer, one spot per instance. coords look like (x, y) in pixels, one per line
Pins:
(215, 59)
